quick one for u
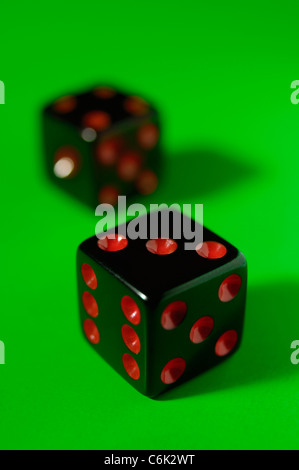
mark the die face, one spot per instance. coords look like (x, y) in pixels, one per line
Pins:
(111, 323)
(101, 144)
(152, 275)
(193, 330)
(84, 110)
(127, 160)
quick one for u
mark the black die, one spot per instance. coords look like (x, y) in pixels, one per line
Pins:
(101, 144)
(158, 313)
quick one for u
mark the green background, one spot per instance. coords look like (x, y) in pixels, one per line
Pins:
(221, 77)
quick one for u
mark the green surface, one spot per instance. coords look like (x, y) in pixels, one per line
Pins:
(221, 77)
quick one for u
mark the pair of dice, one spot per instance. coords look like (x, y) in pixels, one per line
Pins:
(156, 312)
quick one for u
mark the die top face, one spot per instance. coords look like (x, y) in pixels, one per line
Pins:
(153, 267)
(100, 108)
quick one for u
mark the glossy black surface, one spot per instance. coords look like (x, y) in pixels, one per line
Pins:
(150, 274)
